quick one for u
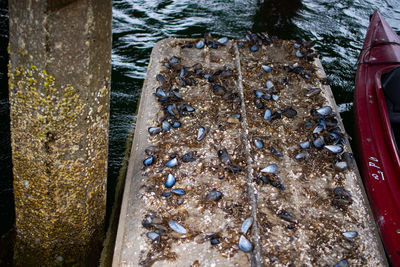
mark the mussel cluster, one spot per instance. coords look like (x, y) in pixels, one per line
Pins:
(325, 133)
(275, 128)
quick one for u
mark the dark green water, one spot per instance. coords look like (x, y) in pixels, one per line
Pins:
(6, 193)
(338, 27)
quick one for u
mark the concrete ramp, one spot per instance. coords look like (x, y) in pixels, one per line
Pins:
(246, 163)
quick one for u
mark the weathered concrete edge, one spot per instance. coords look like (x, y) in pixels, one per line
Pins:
(331, 99)
(133, 176)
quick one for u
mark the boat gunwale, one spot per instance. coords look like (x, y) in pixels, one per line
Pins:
(370, 105)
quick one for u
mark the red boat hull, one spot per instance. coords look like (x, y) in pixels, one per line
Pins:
(378, 157)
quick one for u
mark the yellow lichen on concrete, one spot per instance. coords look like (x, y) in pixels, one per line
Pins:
(56, 186)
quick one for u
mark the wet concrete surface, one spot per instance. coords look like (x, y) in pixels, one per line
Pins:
(299, 212)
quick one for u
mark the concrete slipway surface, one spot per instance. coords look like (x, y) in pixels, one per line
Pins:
(241, 190)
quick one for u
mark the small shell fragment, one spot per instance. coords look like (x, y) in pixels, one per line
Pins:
(254, 48)
(267, 114)
(258, 143)
(341, 192)
(224, 156)
(258, 103)
(148, 161)
(200, 44)
(214, 241)
(176, 124)
(170, 181)
(177, 227)
(151, 220)
(201, 133)
(350, 235)
(271, 168)
(335, 149)
(172, 163)
(266, 96)
(313, 92)
(302, 155)
(166, 126)
(305, 144)
(189, 157)
(160, 93)
(155, 237)
(318, 142)
(258, 93)
(269, 85)
(244, 244)
(246, 225)
(341, 166)
(276, 152)
(342, 263)
(287, 216)
(319, 128)
(154, 130)
(173, 60)
(266, 68)
(214, 195)
(223, 40)
(289, 112)
(299, 54)
(178, 191)
(324, 111)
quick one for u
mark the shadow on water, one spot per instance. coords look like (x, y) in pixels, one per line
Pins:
(276, 18)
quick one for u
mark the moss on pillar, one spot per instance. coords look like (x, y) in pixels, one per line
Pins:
(59, 106)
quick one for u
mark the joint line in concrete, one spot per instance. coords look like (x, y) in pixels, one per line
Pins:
(256, 258)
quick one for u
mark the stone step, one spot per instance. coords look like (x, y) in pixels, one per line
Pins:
(300, 204)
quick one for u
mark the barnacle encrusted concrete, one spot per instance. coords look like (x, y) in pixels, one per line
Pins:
(59, 85)
(299, 213)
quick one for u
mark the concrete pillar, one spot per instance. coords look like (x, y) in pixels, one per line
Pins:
(59, 82)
